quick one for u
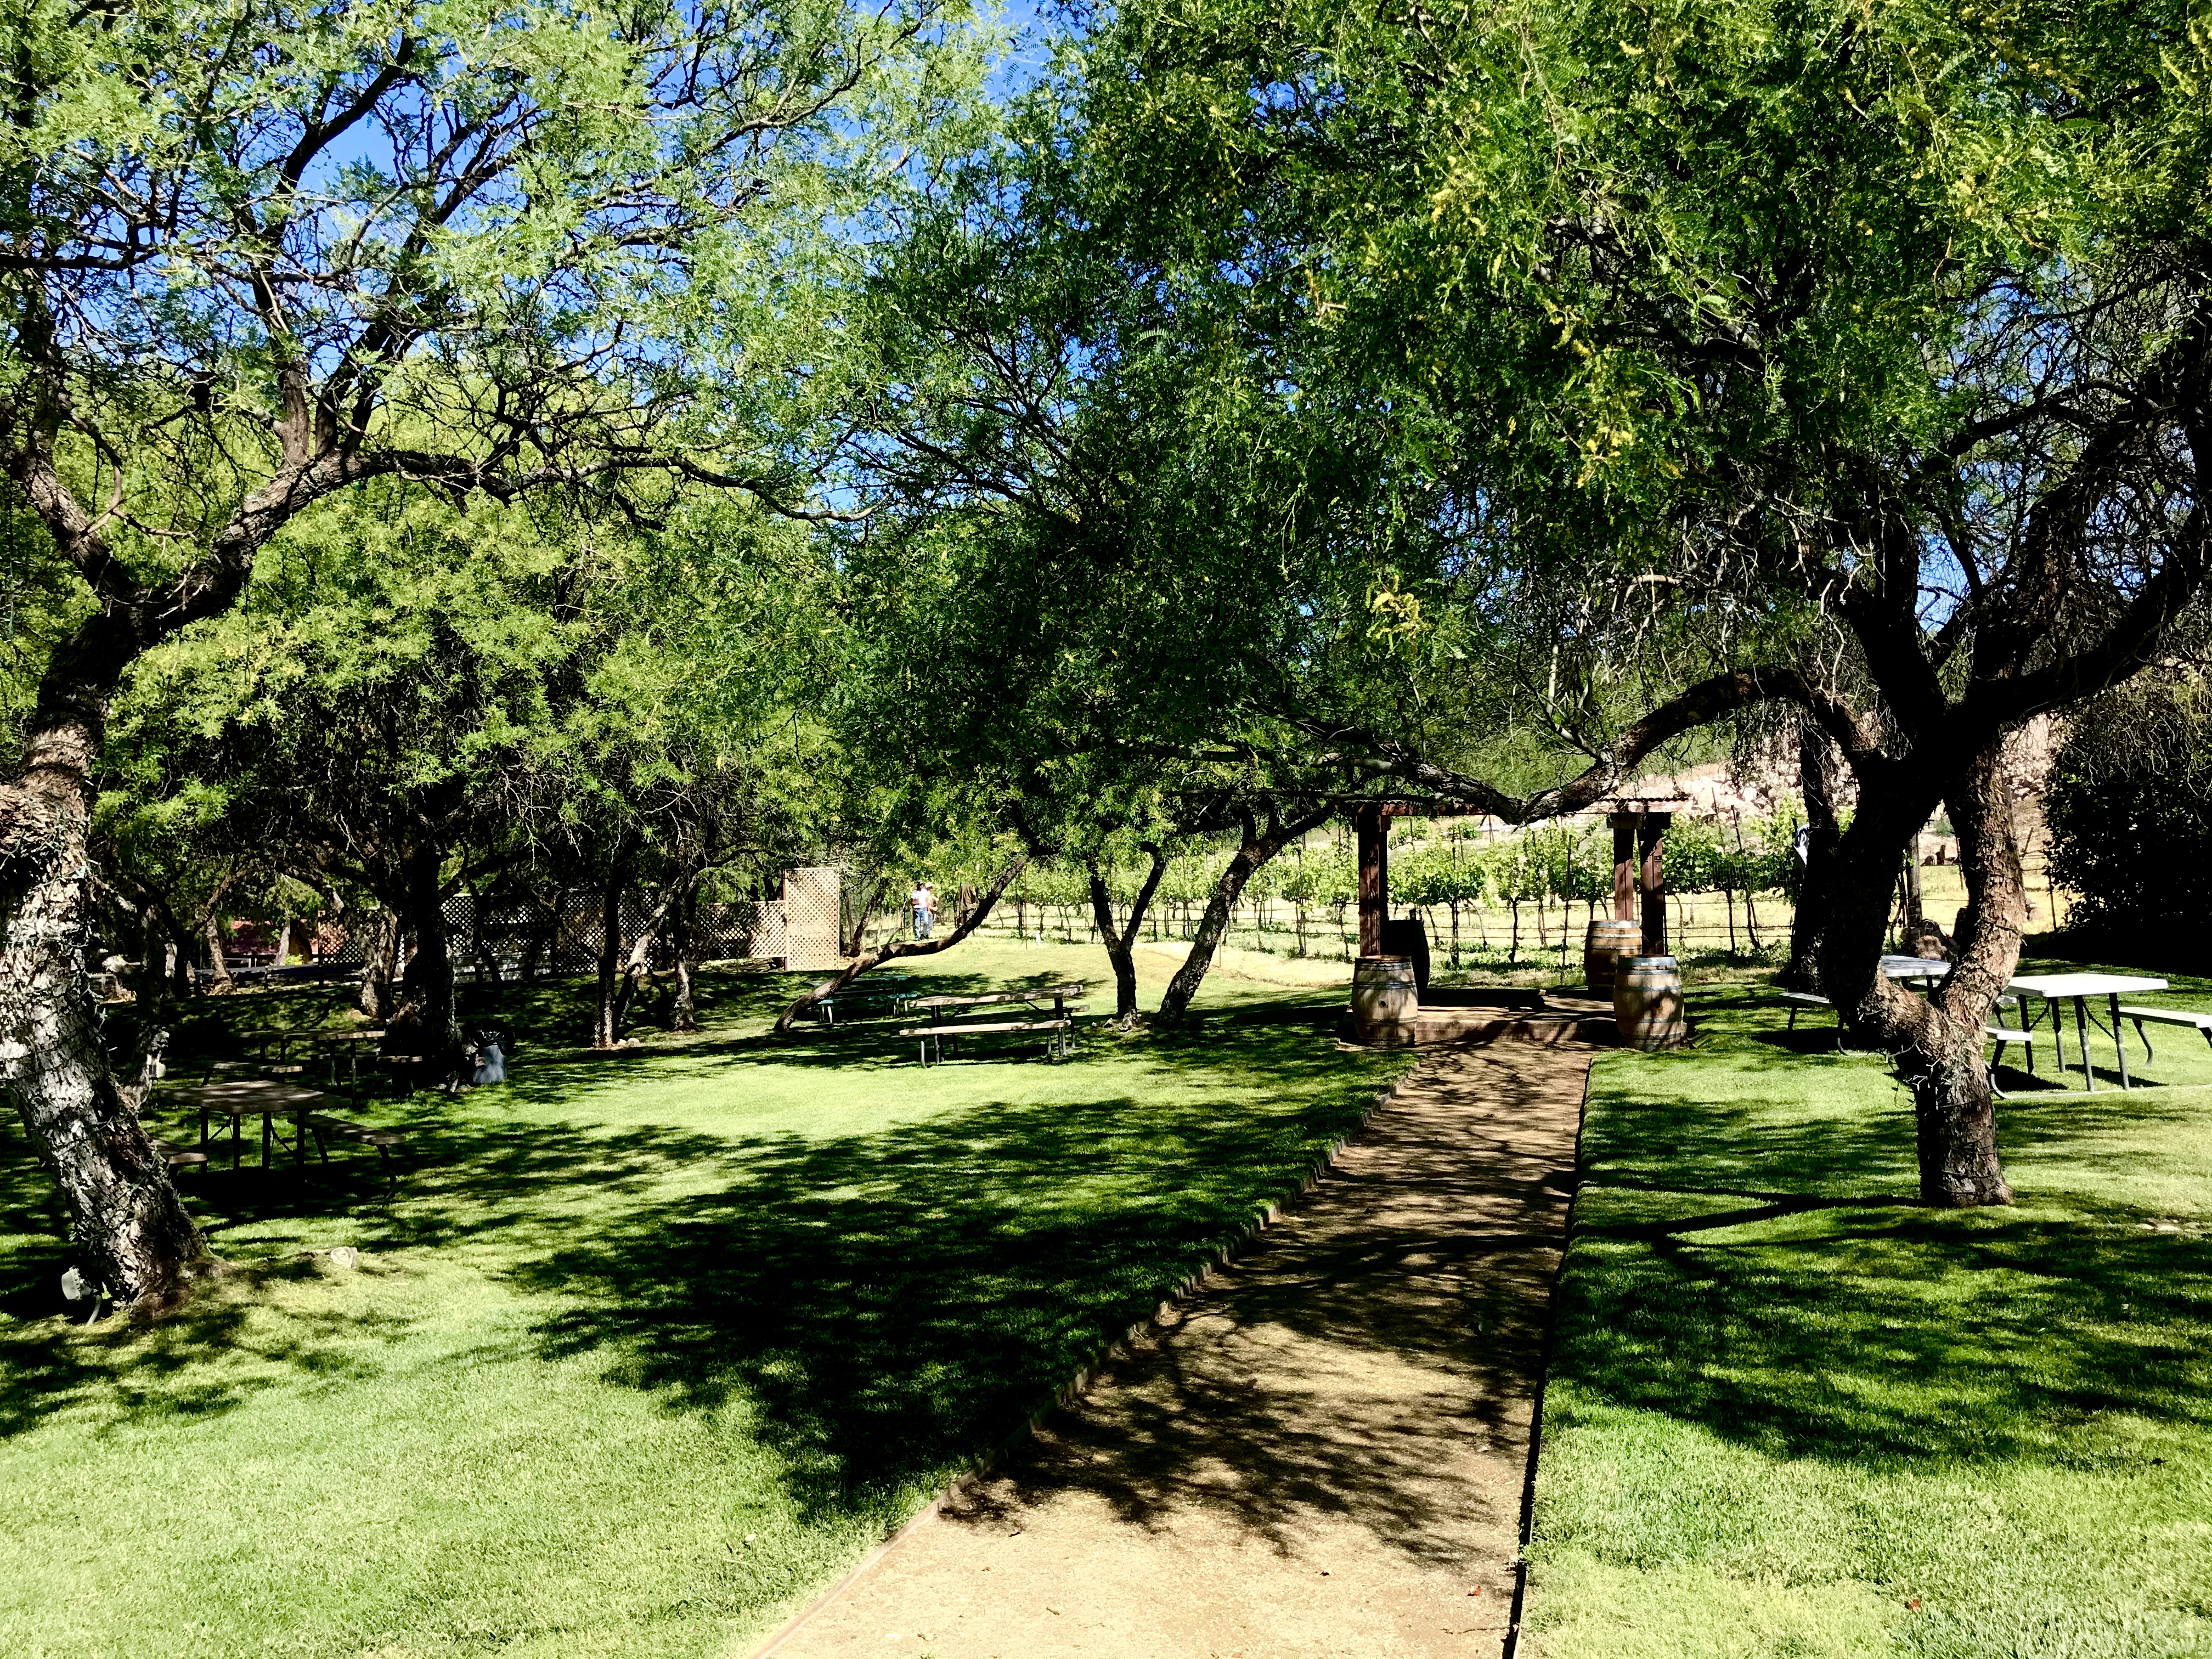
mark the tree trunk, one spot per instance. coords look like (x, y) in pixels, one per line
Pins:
(379, 963)
(1936, 1044)
(1913, 913)
(1256, 849)
(1121, 942)
(424, 1023)
(218, 964)
(1817, 764)
(130, 1229)
(614, 981)
(681, 1015)
(637, 966)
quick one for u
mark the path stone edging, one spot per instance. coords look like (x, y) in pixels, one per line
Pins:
(1118, 1348)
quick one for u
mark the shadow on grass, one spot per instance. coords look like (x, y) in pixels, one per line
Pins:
(1744, 1259)
(884, 1304)
(893, 1303)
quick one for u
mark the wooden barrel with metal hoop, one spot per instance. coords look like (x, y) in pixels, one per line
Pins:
(1386, 1000)
(1603, 946)
(1647, 1002)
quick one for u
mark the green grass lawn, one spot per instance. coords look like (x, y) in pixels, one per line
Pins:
(1790, 1414)
(646, 1348)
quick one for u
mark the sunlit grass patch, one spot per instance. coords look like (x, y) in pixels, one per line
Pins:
(1792, 1412)
(644, 1349)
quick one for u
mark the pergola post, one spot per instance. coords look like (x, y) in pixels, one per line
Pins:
(1374, 876)
(1651, 828)
(1623, 865)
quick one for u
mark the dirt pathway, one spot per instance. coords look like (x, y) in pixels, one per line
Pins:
(1323, 1455)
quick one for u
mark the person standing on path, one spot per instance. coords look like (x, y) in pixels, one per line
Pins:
(924, 900)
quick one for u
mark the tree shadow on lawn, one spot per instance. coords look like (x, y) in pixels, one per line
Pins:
(1851, 1324)
(133, 1370)
(893, 1304)
(885, 1304)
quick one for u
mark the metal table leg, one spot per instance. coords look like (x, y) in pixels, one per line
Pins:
(2058, 1038)
(2119, 1043)
(2081, 1035)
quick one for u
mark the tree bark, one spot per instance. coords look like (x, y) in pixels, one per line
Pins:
(683, 1016)
(379, 963)
(218, 964)
(613, 979)
(130, 1229)
(1817, 766)
(1936, 1045)
(1256, 849)
(637, 966)
(1120, 942)
(424, 1023)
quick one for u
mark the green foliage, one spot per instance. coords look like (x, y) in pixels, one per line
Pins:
(2131, 831)
(501, 683)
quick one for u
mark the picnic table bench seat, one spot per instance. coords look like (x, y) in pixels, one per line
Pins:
(327, 1128)
(1059, 1024)
(2143, 1017)
(935, 1036)
(1800, 1001)
(177, 1155)
(2005, 1036)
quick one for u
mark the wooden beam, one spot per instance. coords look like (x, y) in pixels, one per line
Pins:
(1650, 831)
(1374, 827)
(1623, 865)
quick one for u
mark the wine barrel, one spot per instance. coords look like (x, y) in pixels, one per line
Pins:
(1603, 946)
(1647, 1002)
(1385, 1001)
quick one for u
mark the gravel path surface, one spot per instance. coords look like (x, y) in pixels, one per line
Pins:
(1322, 1455)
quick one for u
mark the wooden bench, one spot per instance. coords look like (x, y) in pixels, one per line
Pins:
(178, 1156)
(327, 1128)
(2143, 1017)
(859, 996)
(1058, 1045)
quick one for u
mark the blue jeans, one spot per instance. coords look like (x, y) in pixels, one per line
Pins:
(922, 920)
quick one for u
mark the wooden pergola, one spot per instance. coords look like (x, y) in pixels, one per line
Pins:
(1639, 871)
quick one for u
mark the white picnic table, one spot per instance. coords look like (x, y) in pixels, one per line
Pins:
(2058, 989)
(1921, 968)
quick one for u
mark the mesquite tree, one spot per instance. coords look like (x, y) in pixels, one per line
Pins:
(251, 258)
(1857, 358)
(1868, 352)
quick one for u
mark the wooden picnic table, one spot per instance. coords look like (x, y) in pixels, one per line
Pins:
(347, 1043)
(304, 1108)
(886, 988)
(2057, 990)
(262, 1038)
(257, 1097)
(1925, 968)
(1059, 1024)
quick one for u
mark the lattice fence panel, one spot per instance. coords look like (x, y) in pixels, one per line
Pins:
(811, 910)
